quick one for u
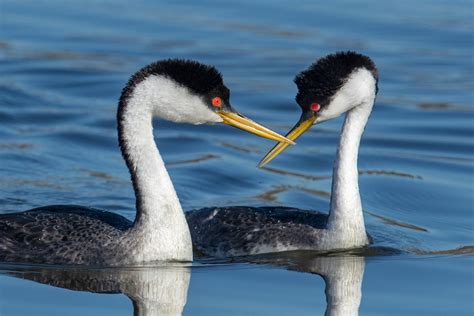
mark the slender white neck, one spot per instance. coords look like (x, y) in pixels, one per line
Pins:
(153, 187)
(346, 218)
(160, 230)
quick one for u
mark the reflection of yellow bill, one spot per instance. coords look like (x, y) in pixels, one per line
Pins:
(246, 124)
(302, 126)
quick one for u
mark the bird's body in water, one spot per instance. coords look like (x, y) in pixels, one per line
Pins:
(336, 84)
(175, 90)
(242, 230)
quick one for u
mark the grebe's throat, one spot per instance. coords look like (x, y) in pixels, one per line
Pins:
(346, 217)
(159, 222)
(346, 206)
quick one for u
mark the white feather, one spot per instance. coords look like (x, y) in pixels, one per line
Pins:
(172, 102)
(160, 231)
(346, 227)
(358, 89)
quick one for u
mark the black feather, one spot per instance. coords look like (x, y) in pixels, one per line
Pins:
(201, 79)
(197, 77)
(320, 82)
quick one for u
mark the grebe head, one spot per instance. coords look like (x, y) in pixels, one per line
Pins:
(335, 84)
(185, 91)
(328, 88)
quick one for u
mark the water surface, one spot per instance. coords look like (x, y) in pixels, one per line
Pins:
(63, 65)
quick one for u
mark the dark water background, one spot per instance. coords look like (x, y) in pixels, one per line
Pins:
(64, 63)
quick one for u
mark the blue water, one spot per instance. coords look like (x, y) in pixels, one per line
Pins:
(63, 65)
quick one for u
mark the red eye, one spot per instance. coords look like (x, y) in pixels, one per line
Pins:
(217, 102)
(315, 107)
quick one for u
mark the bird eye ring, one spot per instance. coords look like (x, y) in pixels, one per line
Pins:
(315, 107)
(217, 102)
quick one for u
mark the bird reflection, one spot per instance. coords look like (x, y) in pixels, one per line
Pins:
(163, 290)
(155, 290)
(342, 274)
(343, 277)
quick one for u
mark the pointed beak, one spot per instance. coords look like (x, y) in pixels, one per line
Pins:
(306, 121)
(238, 120)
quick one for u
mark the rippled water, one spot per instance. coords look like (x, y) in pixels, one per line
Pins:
(63, 65)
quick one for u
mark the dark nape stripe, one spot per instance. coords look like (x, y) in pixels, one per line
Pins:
(126, 156)
(197, 77)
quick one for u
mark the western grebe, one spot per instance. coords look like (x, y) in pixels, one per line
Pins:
(338, 83)
(175, 90)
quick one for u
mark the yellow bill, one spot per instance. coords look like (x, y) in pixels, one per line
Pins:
(246, 124)
(302, 126)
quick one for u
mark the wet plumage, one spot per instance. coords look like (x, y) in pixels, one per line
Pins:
(61, 233)
(241, 230)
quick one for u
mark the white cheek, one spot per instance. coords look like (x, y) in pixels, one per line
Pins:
(172, 102)
(358, 89)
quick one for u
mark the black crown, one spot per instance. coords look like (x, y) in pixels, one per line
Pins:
(197, 77)
(325, 77)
